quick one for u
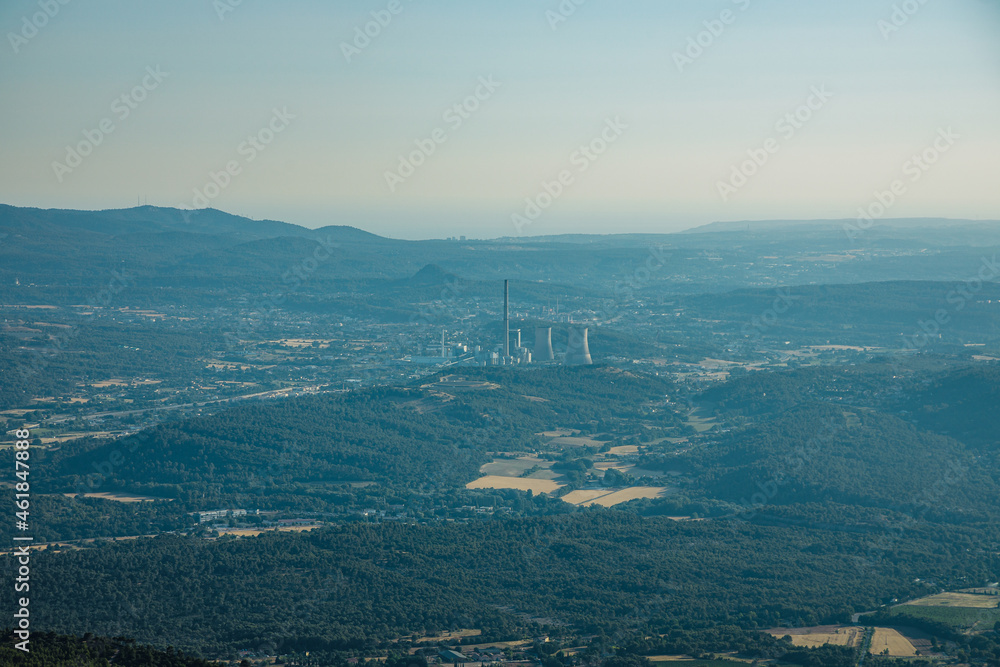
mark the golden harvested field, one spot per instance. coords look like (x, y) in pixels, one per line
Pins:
(109, 383)
(887, 638)
(576, 441)
(454, 634)
(518, 483)
(583, 495)
(611, 498)
(119, 497)
(624, 449)
(254, 532)
(817, 636)
(958, 600)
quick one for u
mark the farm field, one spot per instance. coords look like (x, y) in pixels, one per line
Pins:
(513, 467)
(687, 661)
(700, 423)
(254, 532)
(968, 600)
(119, 497)
(610, 498)
(452, 635)
(823, 634)
(518, 483)
(575, 441)
(897, 645)
(581, 496)
(958, 617)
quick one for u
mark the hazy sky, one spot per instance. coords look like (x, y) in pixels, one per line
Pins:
(200, 77)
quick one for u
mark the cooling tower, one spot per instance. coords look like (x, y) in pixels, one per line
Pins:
(543, 345)
(577, 350)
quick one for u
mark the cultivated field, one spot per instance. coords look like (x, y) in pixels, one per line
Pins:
(118, 497)
(518, 483)
(610, 498)
(557, 433)
(820, 635)
(254, 532)
(452, 635)
(968, 600)
(109, 383)
(513, 467)
(887, 638)
(581, 496)
(576, 441)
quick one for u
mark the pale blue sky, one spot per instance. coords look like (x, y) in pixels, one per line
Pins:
(685, 130)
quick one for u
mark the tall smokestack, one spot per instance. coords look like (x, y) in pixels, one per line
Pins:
(578, 350)
(506, 323)
(543, 344)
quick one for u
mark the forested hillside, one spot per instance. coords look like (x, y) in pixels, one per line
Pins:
(607, 571)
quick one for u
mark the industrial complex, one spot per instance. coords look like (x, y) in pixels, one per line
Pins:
(511, 349)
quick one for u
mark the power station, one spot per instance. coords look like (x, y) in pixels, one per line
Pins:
(506, 322)
(543, 344)
(512, 349)
(578, 349)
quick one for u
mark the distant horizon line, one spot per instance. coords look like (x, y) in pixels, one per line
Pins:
(688, 230)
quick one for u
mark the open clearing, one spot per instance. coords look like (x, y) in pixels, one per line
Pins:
(897, 644)
(820, 635)
(254, 532)
(75, 436)
(558, 433)
(454, 634)
(968, 600)
(610, 497)
(109, 383)
(576, 441)
(513, 467)
(624, 449)
(581, 496)
(518, 483)
(119, 497)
